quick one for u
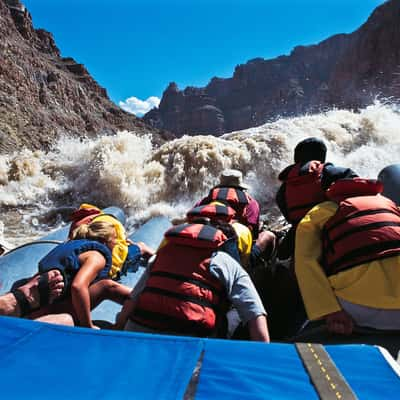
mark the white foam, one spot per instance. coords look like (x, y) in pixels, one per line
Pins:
(125, 170)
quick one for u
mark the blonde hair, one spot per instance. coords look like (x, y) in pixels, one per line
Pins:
(102, 231)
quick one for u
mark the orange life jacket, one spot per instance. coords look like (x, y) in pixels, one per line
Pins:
(303, 192)
(232, 197)
(181, 295)
(353, 187)
(216, 212)
(364, 228)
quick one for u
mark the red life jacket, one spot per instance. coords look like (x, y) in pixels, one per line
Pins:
(215, 212)
(303, 192)
(353, 187)
(83, 215)
(181, 295)
(364, 228)
(232, 197)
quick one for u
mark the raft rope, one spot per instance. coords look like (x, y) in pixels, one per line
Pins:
(329, 383)
(32, 243)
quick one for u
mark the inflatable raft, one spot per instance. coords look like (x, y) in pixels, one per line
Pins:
(116, 365)
(35, 358)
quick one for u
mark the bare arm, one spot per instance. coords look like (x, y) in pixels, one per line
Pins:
(242, 294)
(92, 262)
(129, 305)
(258, 329)
(145, 250)
(126, 311)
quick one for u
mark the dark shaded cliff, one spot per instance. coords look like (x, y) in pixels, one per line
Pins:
(345, 70)
(43, 95)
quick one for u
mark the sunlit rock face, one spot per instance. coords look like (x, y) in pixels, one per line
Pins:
(43, 95)
(346, 70)
(370, 67)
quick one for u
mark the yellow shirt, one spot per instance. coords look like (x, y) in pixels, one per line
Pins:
(375, 284)
(245, 241)
(120, 250)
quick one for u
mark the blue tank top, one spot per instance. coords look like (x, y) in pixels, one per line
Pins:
(65, 257)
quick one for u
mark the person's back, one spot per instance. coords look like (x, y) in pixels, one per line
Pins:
(188, 287)
(301, 189)
(65, 258)
(185, 257)
(251, 253)
(216, 213)
(233, 192)
(347, 258)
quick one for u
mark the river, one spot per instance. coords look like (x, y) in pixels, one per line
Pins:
(38, 188)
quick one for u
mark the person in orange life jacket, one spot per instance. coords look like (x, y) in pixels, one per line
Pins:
(240, 239)
(303, 186)
(233, 192)
(184, 289)
(347, 258)
(250, 252)
(84, 262)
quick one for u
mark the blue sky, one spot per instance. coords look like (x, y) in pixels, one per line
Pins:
(134, 48)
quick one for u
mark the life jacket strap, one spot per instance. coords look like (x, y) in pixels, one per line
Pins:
(182, 278)
(192, 299)
(358, 229)
(361, 214)
(191, 328)
(364, 251)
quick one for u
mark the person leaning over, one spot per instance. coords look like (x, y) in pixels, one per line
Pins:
(125, 253)
(251, 252)
(347, 258)
(190, 285)
(85, 263)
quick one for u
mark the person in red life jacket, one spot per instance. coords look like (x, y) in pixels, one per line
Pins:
(347, 258)
(233, 192)
(219, 213)
(303, 186)
(84, 263)
(250, 252)
(188, 287)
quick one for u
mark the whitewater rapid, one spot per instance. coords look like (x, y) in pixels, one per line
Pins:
(125, 170)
